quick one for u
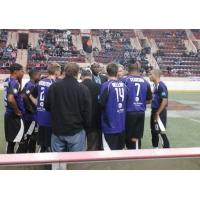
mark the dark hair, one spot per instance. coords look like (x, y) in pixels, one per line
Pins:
(112, 69)
(95, 65)
(53, 68)
(15, 67)
(134, 66)
(86, 72)
(33, 71)
(71, 69)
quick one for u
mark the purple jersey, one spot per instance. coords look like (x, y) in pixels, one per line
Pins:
(43, 116)
(160, 92)
(28, 88)
(139, 91)
(113, 100)
(12, 86)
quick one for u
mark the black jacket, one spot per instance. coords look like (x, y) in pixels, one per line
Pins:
(70, 105)
(94, 92)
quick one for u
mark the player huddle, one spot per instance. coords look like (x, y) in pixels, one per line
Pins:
(58, 113)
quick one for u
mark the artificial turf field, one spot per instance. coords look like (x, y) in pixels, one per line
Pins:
(183, 126)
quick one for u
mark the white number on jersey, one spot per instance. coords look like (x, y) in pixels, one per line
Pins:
(120, 94)
(42, 97)
(138, 89)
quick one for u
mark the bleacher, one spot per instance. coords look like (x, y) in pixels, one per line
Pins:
(172, 56)
(62, 46)
(196, 33)
(113, 43)
(8, 53)
(54, 46)
(116, 46)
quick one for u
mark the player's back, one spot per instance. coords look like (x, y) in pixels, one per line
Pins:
(43, 116)
(113, 115)
(138, 92)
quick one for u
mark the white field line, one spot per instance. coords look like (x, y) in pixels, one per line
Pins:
(194, 120)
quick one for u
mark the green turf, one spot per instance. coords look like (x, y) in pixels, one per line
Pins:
(189, 96)
(182, 133)
(183, 129)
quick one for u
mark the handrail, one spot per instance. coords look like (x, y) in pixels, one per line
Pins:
(92, 156)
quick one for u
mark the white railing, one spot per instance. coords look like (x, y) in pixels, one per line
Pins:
(94, 156)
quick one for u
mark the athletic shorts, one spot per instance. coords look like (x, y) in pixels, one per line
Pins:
(115, 141)
(14, 128)
(44, 136)
(135, 125)
(163, 118)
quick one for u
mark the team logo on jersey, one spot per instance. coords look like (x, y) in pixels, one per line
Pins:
(163, 94)
(137, 99)
(15, 91)
(119, 105)
(28, 92)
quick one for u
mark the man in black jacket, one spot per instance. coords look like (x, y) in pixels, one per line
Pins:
(94, 139)
(96, 77)
(70, 105)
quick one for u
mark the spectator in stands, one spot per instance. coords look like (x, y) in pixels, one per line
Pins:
(95, 51)
(71, 112)
(94, 139)
(96, 77)
(159, 59)
(169, 69)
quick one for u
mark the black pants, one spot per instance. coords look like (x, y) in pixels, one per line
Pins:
(115, 141)
(155, 130)
(28, 143)
(10, 147)
(44, 138)
(134, 129)
(94, 139)
(14, 131)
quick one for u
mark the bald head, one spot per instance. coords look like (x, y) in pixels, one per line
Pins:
(155, 75)
(156, 72)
